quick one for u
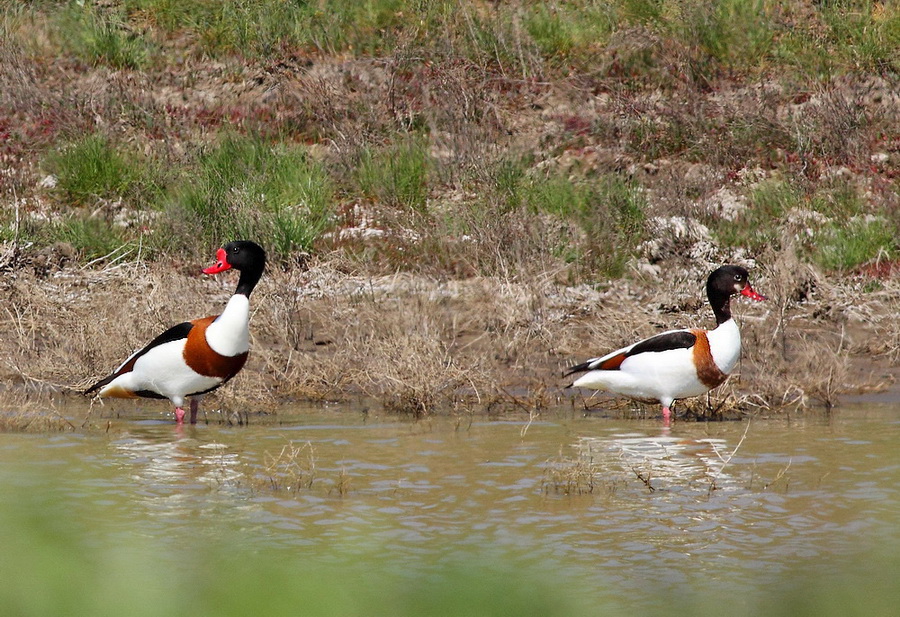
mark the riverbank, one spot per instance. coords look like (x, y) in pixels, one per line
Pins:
(420, 345)
(458, 201)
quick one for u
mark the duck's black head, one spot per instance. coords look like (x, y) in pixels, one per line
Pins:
(243, 255)
(725, 282)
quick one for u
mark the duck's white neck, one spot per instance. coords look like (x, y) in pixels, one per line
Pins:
(229, 334)
(725, 345)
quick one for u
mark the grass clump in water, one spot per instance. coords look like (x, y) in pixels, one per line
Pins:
(569, 476)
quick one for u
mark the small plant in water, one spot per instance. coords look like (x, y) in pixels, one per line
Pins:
(292, 469)
(568, 476)
(342, 484)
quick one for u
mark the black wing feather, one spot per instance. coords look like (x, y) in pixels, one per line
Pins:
(579, 368)
(679, 339)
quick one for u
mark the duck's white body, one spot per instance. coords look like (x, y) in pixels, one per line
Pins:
(170, 369)
(666, 375)
(162, 370)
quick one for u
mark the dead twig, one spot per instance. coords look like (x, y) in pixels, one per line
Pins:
(725, 461)
(645, 480)
(779, 475)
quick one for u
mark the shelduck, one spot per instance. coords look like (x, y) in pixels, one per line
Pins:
(194, 357)
(677, 363)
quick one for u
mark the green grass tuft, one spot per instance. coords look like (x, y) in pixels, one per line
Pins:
(266, 27)
(93, 168)
(758, 226)
(246, 187)
(841, 246)
(608, 212)
(397, 175)
(735, 33)
(102, 36)
(91, 237)
(569, 31)
(866, 33)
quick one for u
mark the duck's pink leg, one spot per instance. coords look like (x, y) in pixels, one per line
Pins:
(667, 416)
(179, 415)
(195, 405)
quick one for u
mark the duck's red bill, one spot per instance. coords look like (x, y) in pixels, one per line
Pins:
(748, 291)
(221, 263)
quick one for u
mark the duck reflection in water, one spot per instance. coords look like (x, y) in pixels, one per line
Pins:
(663, 459)
(168, 470)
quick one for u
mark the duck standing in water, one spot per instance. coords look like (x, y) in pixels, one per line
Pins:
(194, 357)
(677, 363)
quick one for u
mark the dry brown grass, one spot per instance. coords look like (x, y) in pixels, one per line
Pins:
(423, 346)
(412, 342)
(31, 411)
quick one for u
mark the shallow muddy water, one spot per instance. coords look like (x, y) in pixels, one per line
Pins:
(627, 504)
